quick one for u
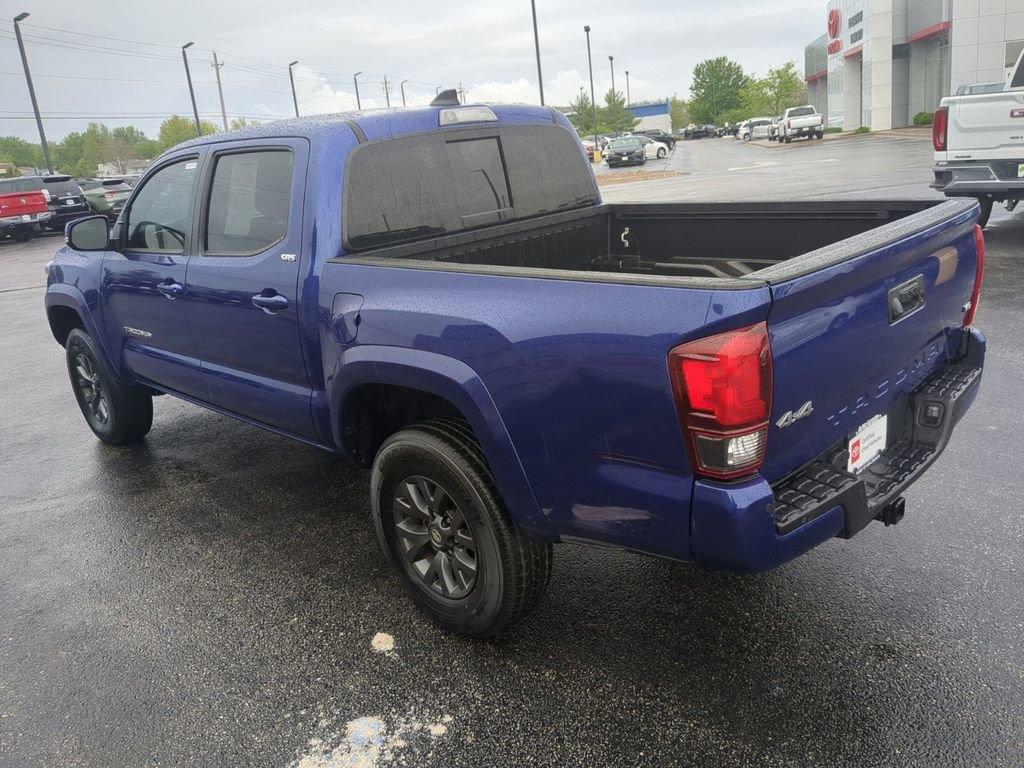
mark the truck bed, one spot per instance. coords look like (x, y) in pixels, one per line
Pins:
(696, 241)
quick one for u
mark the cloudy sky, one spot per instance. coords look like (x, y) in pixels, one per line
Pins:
(119, 62)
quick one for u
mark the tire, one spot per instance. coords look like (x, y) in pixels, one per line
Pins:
(746, 137)
(789, 139)
(431, 483)
(662, 153)
(21, 234)
(986, 211)
(117, 414)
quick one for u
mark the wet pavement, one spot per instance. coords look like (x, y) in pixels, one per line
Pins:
(215, 595)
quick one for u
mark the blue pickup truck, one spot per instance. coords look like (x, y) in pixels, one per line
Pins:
(440, 294)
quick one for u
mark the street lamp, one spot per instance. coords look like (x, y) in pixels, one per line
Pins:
(401, 85)
(593, 101)
(611, 63)
(291, 77)
(32, 91)
(355, 82)
(628, 101)
(191, 90)
(536, 44)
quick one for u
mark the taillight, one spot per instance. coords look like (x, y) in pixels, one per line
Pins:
(723, 389)
(979, 276)
(940, 129)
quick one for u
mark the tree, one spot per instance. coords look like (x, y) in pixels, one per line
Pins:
(680, 113)
(782, 88)
(613, 116)
(582, 114)
(717, 88)
(239, 123)
(20, 152)
(176, 129)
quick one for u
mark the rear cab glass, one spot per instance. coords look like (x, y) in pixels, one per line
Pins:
(801, 111)
(443, 182)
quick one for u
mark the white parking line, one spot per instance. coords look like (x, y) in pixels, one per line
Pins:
(764, 164)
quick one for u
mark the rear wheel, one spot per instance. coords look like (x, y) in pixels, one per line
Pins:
(22, 234)
(662, 152)
(446, 533)
(116, 414)
(986, 211)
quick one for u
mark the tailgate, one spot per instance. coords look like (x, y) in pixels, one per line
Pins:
(856, 326)
(986, 126)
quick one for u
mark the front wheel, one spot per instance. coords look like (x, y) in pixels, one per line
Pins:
(117, 414)
(446, 533)
(661, 153)
(746, 137)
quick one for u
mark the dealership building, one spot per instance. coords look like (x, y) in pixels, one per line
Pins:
(880, 62)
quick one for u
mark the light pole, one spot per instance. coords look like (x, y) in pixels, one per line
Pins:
(191, 90)
(387, 92)
(611, 63)
(536, 44)
(32, 91)
(402, 86)
(593, 101)
(291, 76)
(628, 102)
(355, 82)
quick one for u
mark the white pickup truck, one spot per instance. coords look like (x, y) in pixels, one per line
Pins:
(801, 121)
(979, 145)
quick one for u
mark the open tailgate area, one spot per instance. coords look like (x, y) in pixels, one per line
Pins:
(871, 363)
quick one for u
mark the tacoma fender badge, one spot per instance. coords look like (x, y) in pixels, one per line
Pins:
(287, 257)
(789, 418)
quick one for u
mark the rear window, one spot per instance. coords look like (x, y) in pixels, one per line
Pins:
(62, 187)
(444, 182)
(29, 184)
(801, 111)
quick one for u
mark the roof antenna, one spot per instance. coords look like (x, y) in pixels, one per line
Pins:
(446, 98)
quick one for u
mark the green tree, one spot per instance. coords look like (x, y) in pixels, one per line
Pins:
(20, 152)
(717, 88)
(239, 123)
(782, 88)
(176, 129)
(582, 114)
(613, 116)
(680, 113)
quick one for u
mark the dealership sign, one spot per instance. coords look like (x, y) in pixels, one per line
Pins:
(835, 21)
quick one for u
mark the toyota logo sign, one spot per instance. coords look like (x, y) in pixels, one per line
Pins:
(834, 19)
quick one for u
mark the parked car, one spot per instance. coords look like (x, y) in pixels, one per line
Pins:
(659, 135)
(653, 149)
(773, 128)
(628, 150)
(66, 201)
(976, 88)
(21, 212)
(978, 148)
(754, 129)
(668, 378)
(700, 132)
(799, 122)
(105, 196)
(588, 147)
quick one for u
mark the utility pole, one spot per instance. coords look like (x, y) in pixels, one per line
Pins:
(191, 90)
(387, 92)
(462, 94)
(536, 44)
(291, 76)
(220, 91)
(32, 91)
(611, 63)
(402, 86)
(437, 90)
(593, 101)
(355, 82)
(628, 102)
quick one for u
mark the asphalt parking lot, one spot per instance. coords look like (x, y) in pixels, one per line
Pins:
(212, 596)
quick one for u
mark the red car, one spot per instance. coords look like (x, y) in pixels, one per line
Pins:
(21, 213)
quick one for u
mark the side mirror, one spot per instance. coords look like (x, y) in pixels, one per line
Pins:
(89, 234)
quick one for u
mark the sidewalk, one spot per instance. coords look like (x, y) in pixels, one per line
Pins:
(915, 133)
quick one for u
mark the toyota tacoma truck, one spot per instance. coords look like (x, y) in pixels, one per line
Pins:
(803, 121)
(979, 145)
(441, 295)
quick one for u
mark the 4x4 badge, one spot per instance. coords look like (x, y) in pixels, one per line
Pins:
(789, 418)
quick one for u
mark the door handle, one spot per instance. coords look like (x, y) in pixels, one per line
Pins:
(171, 290)
(271, 304)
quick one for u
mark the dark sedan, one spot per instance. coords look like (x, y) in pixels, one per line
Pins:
(625, 151)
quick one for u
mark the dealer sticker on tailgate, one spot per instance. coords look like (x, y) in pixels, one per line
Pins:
(867, 443)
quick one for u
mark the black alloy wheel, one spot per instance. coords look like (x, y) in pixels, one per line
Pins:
(94, 398)
(434, 538)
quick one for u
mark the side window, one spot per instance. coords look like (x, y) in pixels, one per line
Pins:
(160, 214)
(250, 197)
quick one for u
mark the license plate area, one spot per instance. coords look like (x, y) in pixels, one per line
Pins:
(867, 443)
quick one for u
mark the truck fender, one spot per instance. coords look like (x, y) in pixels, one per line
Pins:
(63, 295)
(456, 382)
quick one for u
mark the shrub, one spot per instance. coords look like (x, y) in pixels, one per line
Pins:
(924, 118)
(863, 129)
(833, 129)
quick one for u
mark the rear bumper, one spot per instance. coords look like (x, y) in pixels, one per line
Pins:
(754, 526)
(32, 218)
(996, 178)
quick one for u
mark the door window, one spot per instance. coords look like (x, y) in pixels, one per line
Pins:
(250, 198)
(161, 212)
